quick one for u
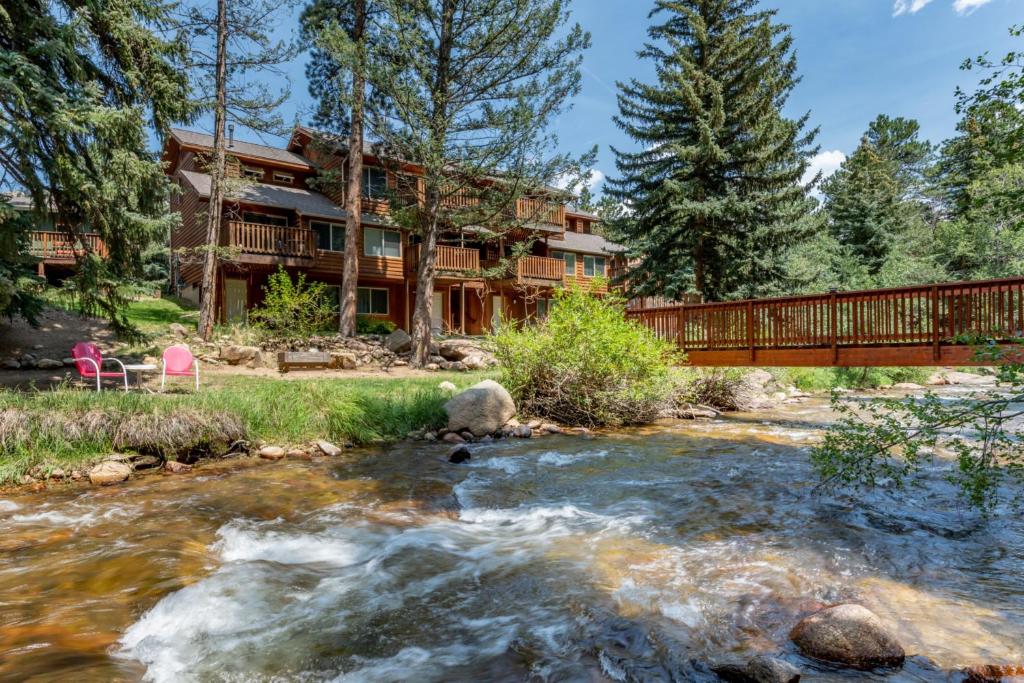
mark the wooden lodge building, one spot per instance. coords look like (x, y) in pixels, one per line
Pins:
(57, 254)
(272, 218)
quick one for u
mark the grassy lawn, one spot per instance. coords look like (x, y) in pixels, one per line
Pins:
(152, 316)
(69, 428)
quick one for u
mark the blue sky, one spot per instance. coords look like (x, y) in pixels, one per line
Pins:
(858, 59)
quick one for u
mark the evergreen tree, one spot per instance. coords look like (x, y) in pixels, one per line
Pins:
(715, 196)
(78, 89)
(467, 90)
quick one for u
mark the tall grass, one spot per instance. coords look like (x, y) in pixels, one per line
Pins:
(67, 427)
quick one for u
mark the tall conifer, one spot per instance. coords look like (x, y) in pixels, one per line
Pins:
(714, 197)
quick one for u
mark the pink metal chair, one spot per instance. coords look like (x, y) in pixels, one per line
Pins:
(178, 361)
(89, 363)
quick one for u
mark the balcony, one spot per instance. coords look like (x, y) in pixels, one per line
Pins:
(459, 260)
(51, 245)
(540, 268)
(262, 240)
(542, 213)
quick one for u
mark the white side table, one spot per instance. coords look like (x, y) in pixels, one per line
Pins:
(139, 369)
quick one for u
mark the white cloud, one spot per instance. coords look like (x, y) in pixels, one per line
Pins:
(968, 6)
(909, 6)
(595, 178)
(827, 163)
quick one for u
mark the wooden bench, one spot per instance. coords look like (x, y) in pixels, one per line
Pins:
(303, 360)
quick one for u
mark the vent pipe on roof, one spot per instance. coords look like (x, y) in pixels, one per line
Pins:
(231, 135)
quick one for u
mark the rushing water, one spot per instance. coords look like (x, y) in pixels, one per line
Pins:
(647, 555)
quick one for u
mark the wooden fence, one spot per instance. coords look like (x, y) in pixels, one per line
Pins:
(922, 325)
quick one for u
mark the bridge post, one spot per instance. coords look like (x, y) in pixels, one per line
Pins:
(750, 329)
(936, 337)
(834, 324)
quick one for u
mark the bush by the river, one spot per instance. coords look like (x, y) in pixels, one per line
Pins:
(585, 364)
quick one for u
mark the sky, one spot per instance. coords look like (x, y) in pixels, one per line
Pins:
(857, 59)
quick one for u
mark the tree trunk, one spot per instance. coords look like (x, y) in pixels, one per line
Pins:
(208, 303)
(354, 181)
(422, 319)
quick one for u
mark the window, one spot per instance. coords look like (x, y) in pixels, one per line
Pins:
(329, 236)
(371, 301)
(593, 266)
(253, 172)
(543, 308)
(333, 293)
(375, 183)
(386, 243)
(570, 261)
(282, 177)
(264, 219)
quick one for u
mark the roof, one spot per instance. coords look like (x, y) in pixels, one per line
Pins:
(306, 202)
(20, 201)
(572, 209)
(587, 244)
(191, 138)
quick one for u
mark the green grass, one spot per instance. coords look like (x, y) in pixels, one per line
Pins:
(825, 379)
(152, 316)
(68, 428)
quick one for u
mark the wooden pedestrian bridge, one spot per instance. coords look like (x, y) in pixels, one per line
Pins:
(927, 325)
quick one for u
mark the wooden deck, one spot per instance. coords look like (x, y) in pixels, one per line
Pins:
(929, 325)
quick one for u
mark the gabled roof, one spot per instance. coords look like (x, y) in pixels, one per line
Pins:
(306, 202)
(20, 201)
(190, 138)
(587, 244)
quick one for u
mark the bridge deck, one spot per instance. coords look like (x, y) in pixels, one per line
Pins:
(925, 325)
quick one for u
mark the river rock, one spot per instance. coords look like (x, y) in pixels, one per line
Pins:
(344, 360)
(178, 330)
(849, 635)
(272, 453)
(475, 362)
(990, 673)
(233, 354)
(760, 669)
(944, 377)
(10, 364)
(328, 448)
(145, 462)
(522, 432)
(481, 409)
(399, 341)
(452, 437)
(459, 455)
(456, 349)
(109, 472)
(175, 467)
(908, 386)
(49, 364)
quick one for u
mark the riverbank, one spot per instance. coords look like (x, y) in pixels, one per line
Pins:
(67, 430)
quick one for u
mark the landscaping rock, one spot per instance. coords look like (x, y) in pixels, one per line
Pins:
(459, 455)
(482, 409)
(447, 387)
(49, 364)
(272, 453)
(848, 635)
(175, 467)
(456, 349)
(235, 355)
(28, 361)
(109, 472)
(475, 362)
(69, 362)
(760, 669)
(399, 341)
(431, 367)
(328, 448)
(344, 360)
(10, 364)
(452, 437)
(179, 330)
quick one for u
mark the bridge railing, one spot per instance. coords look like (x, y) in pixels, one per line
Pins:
(921, 315)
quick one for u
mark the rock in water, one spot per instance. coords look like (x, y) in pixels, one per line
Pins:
(459, 455)
(482, 409)
(760, 669)
(399, 341)
(328, 448)
(175, 467)
(272, 452)
(849, 635)
(109, 472)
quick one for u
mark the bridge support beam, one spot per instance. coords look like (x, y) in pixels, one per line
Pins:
(860, 357)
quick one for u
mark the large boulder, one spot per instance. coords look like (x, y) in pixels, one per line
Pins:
(848, 635)
(179, 330)
(109, 472)
(943, 377)
(482, 409)
(457, 349)
(399, 341)
(234, 354)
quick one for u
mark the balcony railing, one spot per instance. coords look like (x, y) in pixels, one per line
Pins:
(271, 240)
(52, 244)
(540, 268)
(540, 211)
(449, 258)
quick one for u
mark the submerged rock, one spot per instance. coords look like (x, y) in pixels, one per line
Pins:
(459, 455)
(175, 467)
(760, 669)
(849, 635)
(109, 472)
(482, 409)
(993, 673)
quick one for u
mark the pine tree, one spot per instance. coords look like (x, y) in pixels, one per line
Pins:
(79, 88)
(715, 196)
(467, 90)
(227, 48)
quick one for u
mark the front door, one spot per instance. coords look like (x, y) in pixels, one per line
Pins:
(496, 312)
(236, 300)
(437, 313)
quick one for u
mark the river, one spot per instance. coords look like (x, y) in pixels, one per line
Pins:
(644, 555)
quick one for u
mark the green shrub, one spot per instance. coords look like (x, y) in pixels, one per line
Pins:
(293, 310)
(824, 379)
(721, 388)
(585, 364)
(367, 325)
